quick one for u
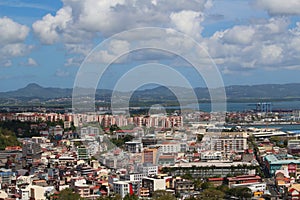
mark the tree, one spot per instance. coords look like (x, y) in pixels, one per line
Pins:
(113, 128)
(130, 197)
(115, 197)
(200, 137)
(212, 194)
(187, 176)
(163, 195)
(223, 188)
(206, 185)
(68, 194)
(240, 192)
(192, 198)
(8, 138)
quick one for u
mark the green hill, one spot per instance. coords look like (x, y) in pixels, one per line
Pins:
(7, 138)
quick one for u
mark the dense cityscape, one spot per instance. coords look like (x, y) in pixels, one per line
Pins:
(149, 100)
(157, 156)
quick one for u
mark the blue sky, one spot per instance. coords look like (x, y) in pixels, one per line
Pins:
(45, 42)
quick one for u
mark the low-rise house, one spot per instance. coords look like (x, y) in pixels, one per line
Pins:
(294, 192)
(182, 186)
(245, 179)
(216, 181)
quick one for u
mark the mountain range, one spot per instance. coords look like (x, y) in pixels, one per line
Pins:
(233, 93)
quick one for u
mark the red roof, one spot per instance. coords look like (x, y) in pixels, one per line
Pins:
(215, 179)
(95, 187)
(125, 131)
(103, 192)
(241, 178)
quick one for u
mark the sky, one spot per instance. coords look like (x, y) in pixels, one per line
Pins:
(46, 42)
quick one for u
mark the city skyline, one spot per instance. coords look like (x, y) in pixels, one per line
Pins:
(251, 42)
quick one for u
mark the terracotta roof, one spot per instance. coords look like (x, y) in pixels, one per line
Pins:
(215, 179)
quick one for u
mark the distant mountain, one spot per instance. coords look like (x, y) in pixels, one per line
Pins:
(234, 93)
(35, 91)
(265, 91)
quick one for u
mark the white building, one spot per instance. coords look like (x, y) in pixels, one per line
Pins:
(254, 187)
(225, 142)
(149, 170)
(211, 155)
(121, 188)
(89, 131)
(134, 146)
(154, 184)
(170, 147)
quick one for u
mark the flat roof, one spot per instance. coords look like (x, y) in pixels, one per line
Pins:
(209, 164)
(272, 159)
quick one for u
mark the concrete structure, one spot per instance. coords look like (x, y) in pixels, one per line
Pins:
(82, 153)
(149, 169)
(216, 181)
(213, 168)
(167, 159)
(89, 131)
(230, 144)
(3, 195)
(293, 146)
(169, 147)
(294, 192)
(211, 155)
(257, 189)
(83, 190)
(121, 188)
(150, 154)
(134, 146)
(244, 180)
(154, 183)
(182, 186)
(276, 162)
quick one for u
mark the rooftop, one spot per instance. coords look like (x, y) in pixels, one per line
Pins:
(280, 159)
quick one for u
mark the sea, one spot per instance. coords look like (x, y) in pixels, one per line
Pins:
(245, 106)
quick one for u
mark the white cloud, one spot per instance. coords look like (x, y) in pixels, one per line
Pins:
(114, 49)
(271, 54)
(265, 44)
(239, 35)
(12, 38)
(74, 61)
(61, 73)
(30, 63)
(50, 27)
(280, 7)
(188, 22)
(119, 46)
(6, 63)
(258, 44)
(14, 50)
(12, 32)
(79, 22)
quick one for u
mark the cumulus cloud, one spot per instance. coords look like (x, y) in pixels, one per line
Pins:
(61, 73)
(114, 49)
(14, 50)
(30, 62)
(260, 44)
(50, 27)
(12, 37)
(11, 31)
(265, 44)
(79, 22)
(271, 54)
(239, 35)
(188, 22)
(6, 63)
(279, 7)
